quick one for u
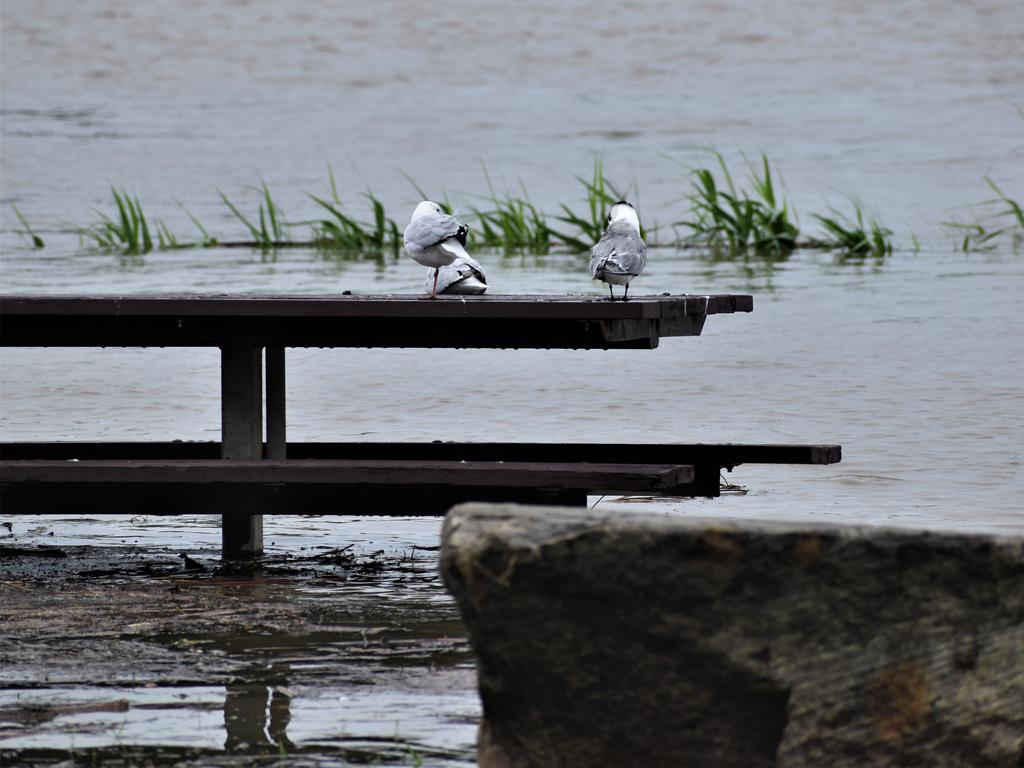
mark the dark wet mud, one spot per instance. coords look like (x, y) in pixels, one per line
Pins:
(324, 656)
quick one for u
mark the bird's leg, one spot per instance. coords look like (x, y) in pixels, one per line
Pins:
(611, 296)
(625, 295)
(433, 293)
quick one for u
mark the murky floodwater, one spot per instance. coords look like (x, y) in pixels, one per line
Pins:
(117, 654)
(914, 365)
(907, 105)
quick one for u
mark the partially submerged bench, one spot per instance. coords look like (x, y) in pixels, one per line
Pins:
(363, 477)
(315, 486)
(243, 476)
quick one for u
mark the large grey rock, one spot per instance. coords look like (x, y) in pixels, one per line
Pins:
(662, 641)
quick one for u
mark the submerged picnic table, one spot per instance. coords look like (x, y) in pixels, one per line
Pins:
(252, 477)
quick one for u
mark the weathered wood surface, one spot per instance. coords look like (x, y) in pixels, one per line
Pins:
(707, 460)
(489, 321)
(382, 487)
(599, 477)
(543, 306)
(723, 454)
(241, 382)
(656, 641)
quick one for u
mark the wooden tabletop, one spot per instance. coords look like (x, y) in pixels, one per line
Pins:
(489, 321)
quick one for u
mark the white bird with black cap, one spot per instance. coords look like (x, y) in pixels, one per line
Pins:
(435, 239)
(620, 254)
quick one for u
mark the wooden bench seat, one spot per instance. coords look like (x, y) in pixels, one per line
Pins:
(313, 486)
(361, 477)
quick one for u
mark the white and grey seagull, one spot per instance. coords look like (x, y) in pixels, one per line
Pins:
(463, 276)
(620, 254)
(435, 239)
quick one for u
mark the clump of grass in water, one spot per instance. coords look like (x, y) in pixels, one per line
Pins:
(861, 235)
(1013, 210)
(165, 238)
(976, 237)
(385, 232)
(128, 232)
(344, 232)
(514, 223)
(37, 241)
(601, 195)
(979, 238)
(726, 219)
(272, 229)
(209, 241)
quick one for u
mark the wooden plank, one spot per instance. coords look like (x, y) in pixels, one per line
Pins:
(311, 331)
(554, 322)
(412, 333)
(237, 489)
(611, 478)
(227, 499)
(723, 454)
(241, 402)
(277, 440)
(241, 405)
(524, 306)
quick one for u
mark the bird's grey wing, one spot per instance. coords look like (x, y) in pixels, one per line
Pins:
(464, 266)
(428, 231)
(620, 250)
(467, 264)
(631, 252)
(600, 253)
(461, 268)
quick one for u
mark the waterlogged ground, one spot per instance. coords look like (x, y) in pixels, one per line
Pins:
(343, 647)
(118, 651)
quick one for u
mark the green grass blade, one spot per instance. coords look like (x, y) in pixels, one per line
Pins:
(147, 240)
(208, 239)
(37, 241)
(241, 217)
(1015, 209)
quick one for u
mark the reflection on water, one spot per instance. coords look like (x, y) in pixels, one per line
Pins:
(115, 653)
(758, 272)
(256, 711)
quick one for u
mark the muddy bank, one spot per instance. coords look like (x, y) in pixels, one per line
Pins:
(322, 655)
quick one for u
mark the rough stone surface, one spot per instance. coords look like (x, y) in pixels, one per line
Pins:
(653, 641)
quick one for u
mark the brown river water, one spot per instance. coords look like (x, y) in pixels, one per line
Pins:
(115, 655)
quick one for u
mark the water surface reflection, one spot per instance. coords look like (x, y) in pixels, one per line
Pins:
(116, 653)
